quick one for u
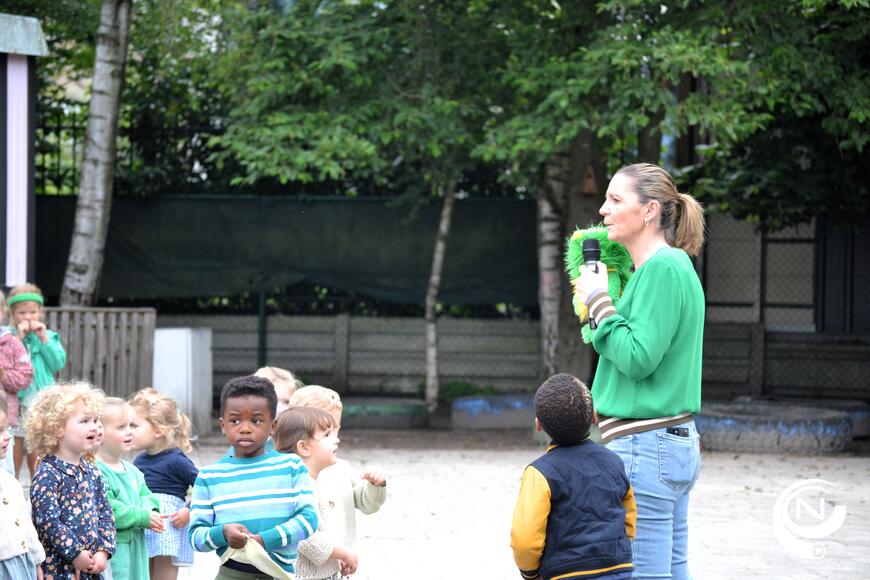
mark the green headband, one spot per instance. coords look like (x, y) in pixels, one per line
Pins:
(25, 297)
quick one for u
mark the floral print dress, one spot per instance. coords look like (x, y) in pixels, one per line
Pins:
(71, 513)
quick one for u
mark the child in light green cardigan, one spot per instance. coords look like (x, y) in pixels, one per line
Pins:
(46, 355)
(134, 506)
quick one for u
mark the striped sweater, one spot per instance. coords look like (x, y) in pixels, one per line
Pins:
(271, 495)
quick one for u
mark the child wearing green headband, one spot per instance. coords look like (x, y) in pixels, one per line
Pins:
(46, 355)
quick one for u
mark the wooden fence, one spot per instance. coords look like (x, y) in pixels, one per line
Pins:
(386, 356)
(111, 347)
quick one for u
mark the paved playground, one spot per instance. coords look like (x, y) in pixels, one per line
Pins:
(452, 493)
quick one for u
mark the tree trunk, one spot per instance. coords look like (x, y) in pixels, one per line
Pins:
(432, 295)
(649, 140)
(551, 245)
(588, 179)
(565, 206)
(87, 250)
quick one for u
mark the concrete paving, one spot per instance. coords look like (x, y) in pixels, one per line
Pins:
(452, 493)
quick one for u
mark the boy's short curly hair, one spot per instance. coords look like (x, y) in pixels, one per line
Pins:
(48, 413)
(563, 405)
(250, 386)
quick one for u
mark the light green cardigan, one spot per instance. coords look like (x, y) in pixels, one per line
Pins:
(132, 503)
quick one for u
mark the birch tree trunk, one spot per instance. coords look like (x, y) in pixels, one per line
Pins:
(432, 295)
(551, 240)
(87, 250)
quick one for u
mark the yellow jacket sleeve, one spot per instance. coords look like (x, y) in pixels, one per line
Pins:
(529, 527)
(630, 513)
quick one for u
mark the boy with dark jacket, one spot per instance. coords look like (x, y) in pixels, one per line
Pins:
(576, 512)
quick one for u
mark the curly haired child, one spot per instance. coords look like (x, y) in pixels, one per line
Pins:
(71, 510)
(46, 353)
(163, 433)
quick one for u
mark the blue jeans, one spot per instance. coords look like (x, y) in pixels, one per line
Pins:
(662, 469)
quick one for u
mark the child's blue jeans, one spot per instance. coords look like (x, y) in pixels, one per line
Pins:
(662, 468)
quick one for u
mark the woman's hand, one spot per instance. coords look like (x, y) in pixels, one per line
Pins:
(589, 281)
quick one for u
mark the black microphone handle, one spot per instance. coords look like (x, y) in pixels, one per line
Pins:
(592, 324)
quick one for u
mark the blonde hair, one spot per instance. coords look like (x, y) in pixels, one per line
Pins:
(684, 228)
(114, 402)
(300, 424)
(51, 408)
(2, 306)
(26, 289)
(162, 412)
(317, 397)
(279, 378)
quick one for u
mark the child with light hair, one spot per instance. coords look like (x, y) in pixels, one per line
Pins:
(134, 506)
(283, 381)
(312, 434)
(46, 354)
(71, 510)
(20, 550)
(345, 489)
(163, 433)
(16, 373)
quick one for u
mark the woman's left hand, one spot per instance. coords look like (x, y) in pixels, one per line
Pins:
(589, 281)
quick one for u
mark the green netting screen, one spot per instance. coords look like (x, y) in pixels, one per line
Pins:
(193, 246)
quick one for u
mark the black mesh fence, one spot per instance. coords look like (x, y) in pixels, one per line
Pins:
(798, 290)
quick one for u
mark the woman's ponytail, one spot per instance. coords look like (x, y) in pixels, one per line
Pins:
(689, 234)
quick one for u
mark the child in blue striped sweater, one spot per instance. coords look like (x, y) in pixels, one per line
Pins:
(255, 495)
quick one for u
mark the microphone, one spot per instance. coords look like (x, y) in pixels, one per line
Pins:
(591, 255)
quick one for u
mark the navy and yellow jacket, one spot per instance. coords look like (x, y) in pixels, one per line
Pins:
(575, 514)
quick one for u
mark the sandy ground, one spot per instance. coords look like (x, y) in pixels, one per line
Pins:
(451, 496)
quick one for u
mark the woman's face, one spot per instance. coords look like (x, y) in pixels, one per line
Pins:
(622, 211)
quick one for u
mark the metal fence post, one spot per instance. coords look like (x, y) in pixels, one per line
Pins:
(342, 352)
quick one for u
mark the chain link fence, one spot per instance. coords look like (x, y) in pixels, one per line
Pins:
(777, 282)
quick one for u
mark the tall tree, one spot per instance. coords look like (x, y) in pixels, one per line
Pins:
(388, 91)
(602, 76)
(87, 251)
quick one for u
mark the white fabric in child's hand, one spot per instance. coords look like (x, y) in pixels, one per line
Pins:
(255, 555)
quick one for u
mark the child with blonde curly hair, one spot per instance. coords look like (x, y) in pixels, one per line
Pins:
(71, 510)
(46, 353)
(163, 433)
